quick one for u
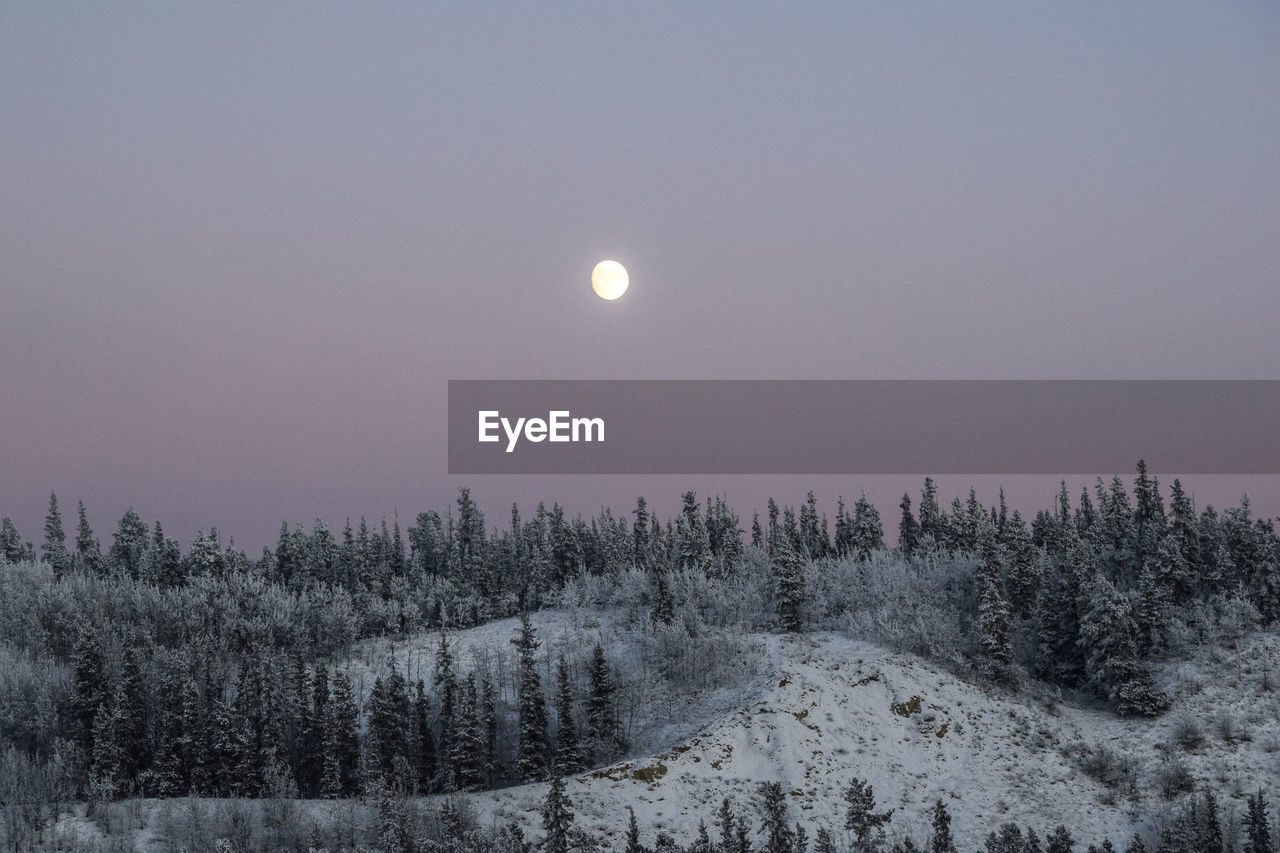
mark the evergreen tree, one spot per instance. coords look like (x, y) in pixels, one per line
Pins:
(557, 817)
(131, 720)
(388, 722)
(423, 743)
(1107, 633)
(908, 529)
(633, 844)
(568, 751)
(11, 548)
(779, 837)
(1136, 845)
(1023, 582)
(87, 548)
(131, 544)
(728, 825)
(757, 535)
(54, 547)
(789, 585)
(824, 843)
(531, 764)
(663, 610)
(346, 745)
(1007, 840)
(930, 513)
(1060, 841)
(1183, 529)
(940, 841)
(868, 532)
(993, 610)
(861, 818)
(1257, 826)
(604, 735)
(489, 722)
(89, 688)
(446, 687)
(468, 752)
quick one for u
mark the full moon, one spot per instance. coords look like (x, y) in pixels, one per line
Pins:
(609, 279)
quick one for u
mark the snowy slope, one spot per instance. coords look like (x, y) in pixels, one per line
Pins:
(838, 709)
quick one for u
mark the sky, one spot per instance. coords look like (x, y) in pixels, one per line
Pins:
(244, 246)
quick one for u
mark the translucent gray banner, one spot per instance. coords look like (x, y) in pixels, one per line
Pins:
(862, 426)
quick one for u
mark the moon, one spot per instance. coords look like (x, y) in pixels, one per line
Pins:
(609, 280)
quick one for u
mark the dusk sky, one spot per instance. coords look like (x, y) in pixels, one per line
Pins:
(243, 247)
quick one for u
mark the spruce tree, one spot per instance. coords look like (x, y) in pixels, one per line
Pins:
(130, 545)
(557, 817)
(941, 841)
(88, 689)
(490, 723)
(467, 753)
(824, 842)
(1257, 826)
(861, 818)
(993, 609)
(632, 842)
(1007, 840)
(11, 547)
(1107, 632)
(131, 724)
(1135, 844)
(1060, 841)
(568, 750)
(779, 837)
(446, 687)
(423, 742)
(54, 547)
(868, 532)
(908, 529)
(346, 743)
(88, 551)
(532, 761)
(789, 586)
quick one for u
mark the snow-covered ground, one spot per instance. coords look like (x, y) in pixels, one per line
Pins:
(816, 711)
(837, 709)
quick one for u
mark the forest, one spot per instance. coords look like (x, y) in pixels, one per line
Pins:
(268, 701)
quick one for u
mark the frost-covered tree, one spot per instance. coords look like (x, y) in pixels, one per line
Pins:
(604, 734)
(130, 545)
(532, 761)
(789, 586)
(89, 691)
(446, 687)
(11, 547)
(557, 817)
(868, 532)
(1257, 826)
(342, 733)
(861, 817)
(941, 841)
(469, 751)
(908, 528)
(993, 608)
(1007, 840)
(423, 742)
(779, 837)
(1112, 658)
(568, 752)
(54, 548)
(1060, 841)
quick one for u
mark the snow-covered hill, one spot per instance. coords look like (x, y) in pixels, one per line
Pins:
(836, 709)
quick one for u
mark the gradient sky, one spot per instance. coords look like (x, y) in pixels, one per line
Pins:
(243, 246)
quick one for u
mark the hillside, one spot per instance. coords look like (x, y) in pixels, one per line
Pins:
(835, 709)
